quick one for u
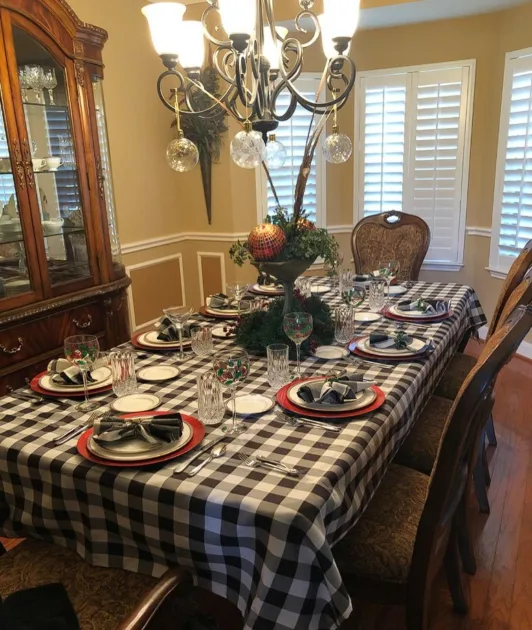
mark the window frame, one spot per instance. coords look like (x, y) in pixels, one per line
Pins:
(321, 171)
(496, 267)
(466, 123)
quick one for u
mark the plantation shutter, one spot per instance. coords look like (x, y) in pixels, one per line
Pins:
(7, 182)
(293, 135)
(514, 194)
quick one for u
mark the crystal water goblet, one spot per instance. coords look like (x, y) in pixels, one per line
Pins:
(298, 327)
(24, 84)
(82, 351)
(211, 407)
(344, 329)
(34, 76)
(201, 338)
(232, 368)
(236, 290)
(50, 82)
(376, 295)
(122, 364)
(278, 365)
(179, 316)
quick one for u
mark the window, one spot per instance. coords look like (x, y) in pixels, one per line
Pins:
(293, 134)
(512, 213)
(414, 129)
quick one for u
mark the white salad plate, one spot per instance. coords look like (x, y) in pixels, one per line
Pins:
(320, 290)
(367, 318)
(396, 289)
(218, 331)
(251, 404)
(133, 403)
(158, 373)
(331, 352)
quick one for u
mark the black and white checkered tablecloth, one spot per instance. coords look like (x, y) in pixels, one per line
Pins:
(262, 540)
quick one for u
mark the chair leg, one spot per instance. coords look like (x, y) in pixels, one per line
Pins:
(467, 552)
(484, 457)
(417, 612)
(454, 574)
(490, 431)
(479, 478)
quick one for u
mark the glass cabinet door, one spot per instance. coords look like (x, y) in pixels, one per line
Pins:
(45, 99)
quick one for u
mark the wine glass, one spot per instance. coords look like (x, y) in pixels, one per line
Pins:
(236, 290)
(389, 269)
(50, 82)
(231, 368)
(298, 327)
(179, 316)
(82, 351)
(34, 77)
(24, 85)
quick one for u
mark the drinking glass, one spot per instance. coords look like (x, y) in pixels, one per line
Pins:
(345, 280)
(389, 269)
(179, 316)
(344, 329)
(236, 291)
(50, 82)
(278, 365)
(305, 286)
(35, 78)
(202, 344)
(231, 368)
(211, 408)
(24, 85)
(298, 327)
(82, 351)
(377, 297)
(122, 364)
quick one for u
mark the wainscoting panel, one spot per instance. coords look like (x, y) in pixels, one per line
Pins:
(211, 269)
(155, 284)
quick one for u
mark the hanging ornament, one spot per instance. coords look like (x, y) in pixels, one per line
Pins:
(337, 147)
(181, 154)
(304, 225)
(248, 148)
(266, 241)
(275, 153)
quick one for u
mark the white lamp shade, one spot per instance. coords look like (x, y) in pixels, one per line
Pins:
(191, 44)
(342, 16)
(238, 16)
(327, 38)
(164, 19)
(272, 49)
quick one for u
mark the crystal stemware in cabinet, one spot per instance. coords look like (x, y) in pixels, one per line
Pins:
(50, 82)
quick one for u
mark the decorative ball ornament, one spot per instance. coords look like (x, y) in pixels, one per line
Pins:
(304, 225)
(182, 155)
(275, 153)
(337, 147)
(248, 148)
(266, 242)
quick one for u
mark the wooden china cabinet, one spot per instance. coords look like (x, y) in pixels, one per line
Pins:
(60, 267)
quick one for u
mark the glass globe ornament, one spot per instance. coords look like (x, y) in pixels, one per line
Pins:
(248, 148)
(275, 154)
(182, 155)
(337, 147)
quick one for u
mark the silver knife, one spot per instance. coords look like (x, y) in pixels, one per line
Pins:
(207, 446)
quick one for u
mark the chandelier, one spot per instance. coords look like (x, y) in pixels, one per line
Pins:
(257, 62)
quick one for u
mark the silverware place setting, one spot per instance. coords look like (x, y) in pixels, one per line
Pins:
(35, 399)
(308, 422)
(258, 461)
(79, 429)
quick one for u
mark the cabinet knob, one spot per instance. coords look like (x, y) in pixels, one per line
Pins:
(84, 324)
(14, 349)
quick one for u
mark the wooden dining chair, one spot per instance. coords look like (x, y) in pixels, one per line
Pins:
(391, 236)
(104, 599)
(408, 530)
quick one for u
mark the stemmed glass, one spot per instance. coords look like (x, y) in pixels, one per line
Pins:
(179, 316)
(389, 269)
(50, 82)
(35, 78)
(24, 84)
(231, 368)
(237, 290)
(82, 351)
(298, 327)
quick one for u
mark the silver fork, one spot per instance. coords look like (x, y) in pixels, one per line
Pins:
(304, 422)
(77, 430)
(266, 463)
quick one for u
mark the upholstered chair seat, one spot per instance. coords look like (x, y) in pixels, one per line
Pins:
(455, 374)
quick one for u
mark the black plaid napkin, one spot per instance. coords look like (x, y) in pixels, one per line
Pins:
(157, 430)
(334, 391)
(168, 331)
(426, 306)
(382, 341)
(222, 302)
(64, 372)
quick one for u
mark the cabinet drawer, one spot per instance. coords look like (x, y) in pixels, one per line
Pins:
(85, 320)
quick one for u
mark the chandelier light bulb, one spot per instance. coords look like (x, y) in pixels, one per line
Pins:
(238, 16)
(337, 147)
(327, 37)
(276, 154)
(272, 49)
(342, 16)
(182, 155)
(191, 44)
(164, 20)
(248, 148)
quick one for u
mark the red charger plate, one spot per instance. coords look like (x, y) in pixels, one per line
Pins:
(413, 320)
(46, 392)
(283, 400)
(353, 348)
(198, 433)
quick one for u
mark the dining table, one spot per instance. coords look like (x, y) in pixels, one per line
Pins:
(261, 539)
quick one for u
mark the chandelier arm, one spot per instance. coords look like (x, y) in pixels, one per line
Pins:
(218, 42)
(228, 61)
(317, 29)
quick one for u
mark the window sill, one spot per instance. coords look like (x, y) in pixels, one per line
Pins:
(438, 266)
(497, 273)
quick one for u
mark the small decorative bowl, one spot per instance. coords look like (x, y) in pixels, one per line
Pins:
(52, 227)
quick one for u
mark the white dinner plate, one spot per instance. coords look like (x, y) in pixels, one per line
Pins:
(416, 347)
(367, 318)
(158, 373)
(251, 404)
(139, 450)
(320, 290)
(268, 288)
(331, 352)
(102, 376)
(150, 340)
(218, 331)
(137, 402)
(363, 399)
(396, 289)
(415, 314)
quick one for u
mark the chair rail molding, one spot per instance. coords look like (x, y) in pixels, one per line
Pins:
(478, 231)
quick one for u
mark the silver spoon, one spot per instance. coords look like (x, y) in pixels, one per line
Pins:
(217, 451)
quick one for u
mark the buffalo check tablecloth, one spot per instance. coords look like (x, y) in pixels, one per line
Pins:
(260, 539)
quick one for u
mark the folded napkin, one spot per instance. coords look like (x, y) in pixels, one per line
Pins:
(426, 306)
(382, 341)
(266, 280)
(361, 277)
(333, 391)
(168, 331)
(42, 608)
(222, 302)
(63, 371)
(157, 430)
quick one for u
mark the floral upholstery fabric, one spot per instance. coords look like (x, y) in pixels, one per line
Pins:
(421, 447)
(376, 243)
(102, 598)
(455, 374)
(381, 544)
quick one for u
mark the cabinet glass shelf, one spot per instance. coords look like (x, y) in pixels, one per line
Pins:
(17, 237)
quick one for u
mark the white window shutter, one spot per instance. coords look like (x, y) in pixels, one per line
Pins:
(7, 182)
